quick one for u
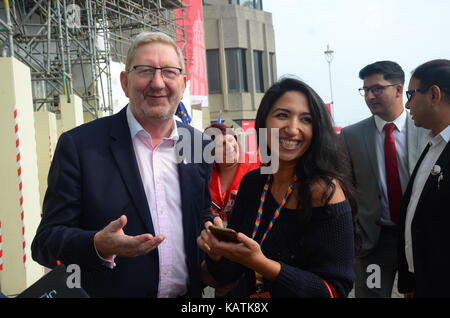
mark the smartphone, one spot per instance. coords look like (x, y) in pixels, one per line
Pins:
(224, 234)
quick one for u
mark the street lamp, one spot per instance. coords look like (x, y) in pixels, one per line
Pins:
(329, 58)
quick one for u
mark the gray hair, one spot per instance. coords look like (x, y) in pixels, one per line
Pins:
(149, 37)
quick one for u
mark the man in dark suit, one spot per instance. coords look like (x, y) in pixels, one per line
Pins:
(365, 143)
(424, 244)
(125, 199)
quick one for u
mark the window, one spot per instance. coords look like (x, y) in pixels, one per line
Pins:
(272, 78)
(255, 4)
(212, 63)
(248, 3)
(236, 70)
(258, 65)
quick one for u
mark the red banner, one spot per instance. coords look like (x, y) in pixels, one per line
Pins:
(194, 50)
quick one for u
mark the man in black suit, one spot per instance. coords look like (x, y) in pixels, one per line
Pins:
(125, 199)
(424, 218)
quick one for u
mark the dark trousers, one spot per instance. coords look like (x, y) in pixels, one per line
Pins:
(371, 283)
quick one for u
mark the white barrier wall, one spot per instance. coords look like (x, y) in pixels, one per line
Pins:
(89, 117)
(19, 183)
(46, 138)
(71, 112)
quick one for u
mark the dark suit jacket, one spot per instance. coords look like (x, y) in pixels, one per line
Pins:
(93, 179)
(430, 230)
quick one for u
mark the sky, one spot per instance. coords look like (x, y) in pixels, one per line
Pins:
(360, 32)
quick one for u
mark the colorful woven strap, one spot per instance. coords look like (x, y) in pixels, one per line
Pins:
(258, 276)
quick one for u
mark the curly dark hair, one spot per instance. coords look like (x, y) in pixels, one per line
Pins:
(324, 160)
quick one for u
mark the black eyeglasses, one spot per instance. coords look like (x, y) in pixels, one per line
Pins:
(410, 93)
(376, 89)
(148, 71)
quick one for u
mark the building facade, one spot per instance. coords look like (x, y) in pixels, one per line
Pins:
(241, 58)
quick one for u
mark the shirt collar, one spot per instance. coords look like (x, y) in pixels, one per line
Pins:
(136, 128)
(443, 135)
(446, 134)
(399, 122)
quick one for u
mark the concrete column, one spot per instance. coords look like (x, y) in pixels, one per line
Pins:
(71, 112)
(251, 66)
(87, 116)
(19, 183)
(223, 66)
(46, 138)
(266, 62)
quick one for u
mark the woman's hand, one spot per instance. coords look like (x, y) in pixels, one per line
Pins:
(204, 241)
(248, 253)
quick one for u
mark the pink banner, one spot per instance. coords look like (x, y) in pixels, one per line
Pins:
(250, 146)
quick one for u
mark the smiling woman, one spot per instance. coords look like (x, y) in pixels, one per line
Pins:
(292, 117)
(295, 225)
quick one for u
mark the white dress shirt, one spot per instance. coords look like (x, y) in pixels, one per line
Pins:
(401, 147)
(437, 145)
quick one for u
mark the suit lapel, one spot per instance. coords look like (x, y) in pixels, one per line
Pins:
(415, 142)
(412, 143)
(187, 170)
(123, 153)
(190, 186)
(432, 181)
(408, 191)
(369, 140)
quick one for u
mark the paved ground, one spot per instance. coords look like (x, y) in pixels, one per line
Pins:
(395, 293)
(209, 292)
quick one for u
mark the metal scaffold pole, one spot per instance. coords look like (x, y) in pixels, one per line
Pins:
(70, 45)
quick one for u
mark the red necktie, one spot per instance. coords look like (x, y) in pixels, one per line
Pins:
(394, 187)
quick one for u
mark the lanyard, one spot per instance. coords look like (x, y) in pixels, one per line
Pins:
(259, 277)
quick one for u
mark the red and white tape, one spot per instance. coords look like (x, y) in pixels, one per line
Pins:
(50, 147)
(1, 249)
(19, 177)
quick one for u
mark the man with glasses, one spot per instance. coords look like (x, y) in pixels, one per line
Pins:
(382, 150)
(424, 217)
(120, 203)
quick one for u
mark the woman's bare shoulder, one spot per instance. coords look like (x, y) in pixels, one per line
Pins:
(320, 192)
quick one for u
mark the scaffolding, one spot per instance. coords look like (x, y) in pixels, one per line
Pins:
(69, 44)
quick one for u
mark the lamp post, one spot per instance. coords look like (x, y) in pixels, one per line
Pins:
(329, 58)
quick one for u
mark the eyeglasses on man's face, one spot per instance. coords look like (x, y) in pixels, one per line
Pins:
(148, 72)
(375, 89)
(410, 93)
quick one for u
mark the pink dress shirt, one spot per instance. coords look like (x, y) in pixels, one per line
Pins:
(159, 173)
